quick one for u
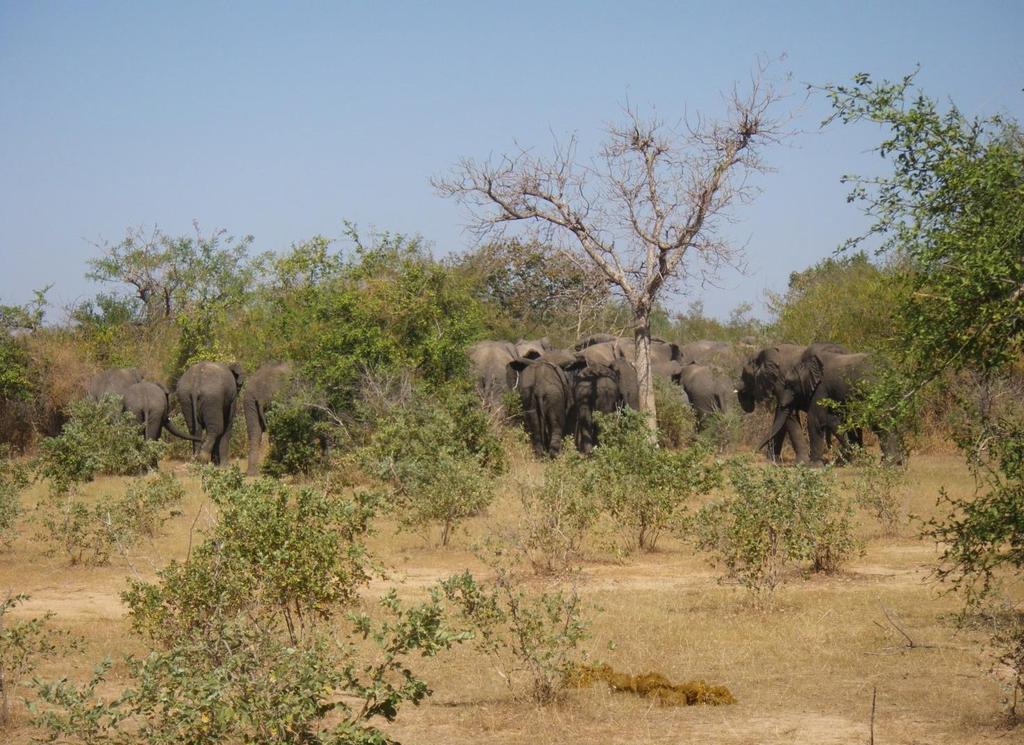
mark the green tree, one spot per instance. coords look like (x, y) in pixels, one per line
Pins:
(951, 215)
(534, 289)
(845, 299)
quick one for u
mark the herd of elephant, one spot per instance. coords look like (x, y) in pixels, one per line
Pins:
(561, 389)
(207, 393)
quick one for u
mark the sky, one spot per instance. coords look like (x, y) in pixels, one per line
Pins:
(282, 120)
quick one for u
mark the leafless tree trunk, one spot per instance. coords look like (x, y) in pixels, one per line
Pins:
(654, 196)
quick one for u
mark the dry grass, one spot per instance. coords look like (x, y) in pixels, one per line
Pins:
(803, 673)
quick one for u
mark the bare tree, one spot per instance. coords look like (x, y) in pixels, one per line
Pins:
(646, 211)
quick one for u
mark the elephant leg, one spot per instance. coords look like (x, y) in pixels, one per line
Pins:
(224, 443)
(532, 420)
(188, 413)
(817, 428)
(796, 436)
(212, 424)
(154, 424)
(254, 432)
(555, 425)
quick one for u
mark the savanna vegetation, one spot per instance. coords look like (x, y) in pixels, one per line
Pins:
(404, 568)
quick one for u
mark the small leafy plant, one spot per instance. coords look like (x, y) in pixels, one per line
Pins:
(14, 478)
(645, 488)
(22, 645)
(531, 637)
(437, 455)
(777, 517)
(98, 438)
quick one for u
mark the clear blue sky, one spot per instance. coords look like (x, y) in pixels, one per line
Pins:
(282, 119)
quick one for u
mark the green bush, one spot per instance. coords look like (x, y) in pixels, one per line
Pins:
(675, 416)
(876, 489)
(777, 516)
(14, 478)
(642, 486)
(557, 515)
(532, 638)
(299, 431)
(98, 438)
(92, 534)
(249, 639)
(23, 643)
(438, 456)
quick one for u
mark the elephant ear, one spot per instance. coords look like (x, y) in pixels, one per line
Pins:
(628, 384)
(236, 370)
(677, 353)
(811, 371)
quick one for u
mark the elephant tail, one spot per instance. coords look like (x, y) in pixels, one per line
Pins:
(170, 427)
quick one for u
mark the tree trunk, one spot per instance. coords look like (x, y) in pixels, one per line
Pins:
(642, 338)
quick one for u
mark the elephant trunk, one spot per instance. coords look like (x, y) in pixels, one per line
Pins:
(781, 415)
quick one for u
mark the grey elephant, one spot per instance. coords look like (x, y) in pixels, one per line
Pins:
(837, 379)
(546, 391)
(593, 339)
(149, 403)
(115, 381)
(600, 388)
(532, 348)
(771, 375)
(207, 393)
(709, 392)
(260, 390)
(488, 362)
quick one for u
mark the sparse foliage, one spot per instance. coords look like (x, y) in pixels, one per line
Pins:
(777, 517)
(14, 478)
(645, 488)
(531, 637)
(246, 635)
(437, 454)
(23, 643)
(98, 439)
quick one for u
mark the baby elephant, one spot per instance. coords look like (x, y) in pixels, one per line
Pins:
(148, 402)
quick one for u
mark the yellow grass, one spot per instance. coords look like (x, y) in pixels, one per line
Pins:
(802, 673)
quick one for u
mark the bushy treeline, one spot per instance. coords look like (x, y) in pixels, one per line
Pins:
(364, 310)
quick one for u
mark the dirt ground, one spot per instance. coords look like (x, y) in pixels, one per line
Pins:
(804, 672)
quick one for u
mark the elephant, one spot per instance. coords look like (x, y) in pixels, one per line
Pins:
(207, 393)
(600, 388)
(708, 392)
(260, 390)
(532, 349)
(488, 361)
(149, 403)
(593, 339)
(836, 378)
(772, 374)
(115, 381)
(546, 391)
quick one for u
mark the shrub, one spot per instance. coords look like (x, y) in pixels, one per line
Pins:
(645, 487)
(528, 635)
(876, 489)
(22, 645)
(777, 516)
(98, 439)
(246, 640)
(438, 455)
(557, 515)
(675, 417)
(14, 478)
(90, 535)
(299, 433)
